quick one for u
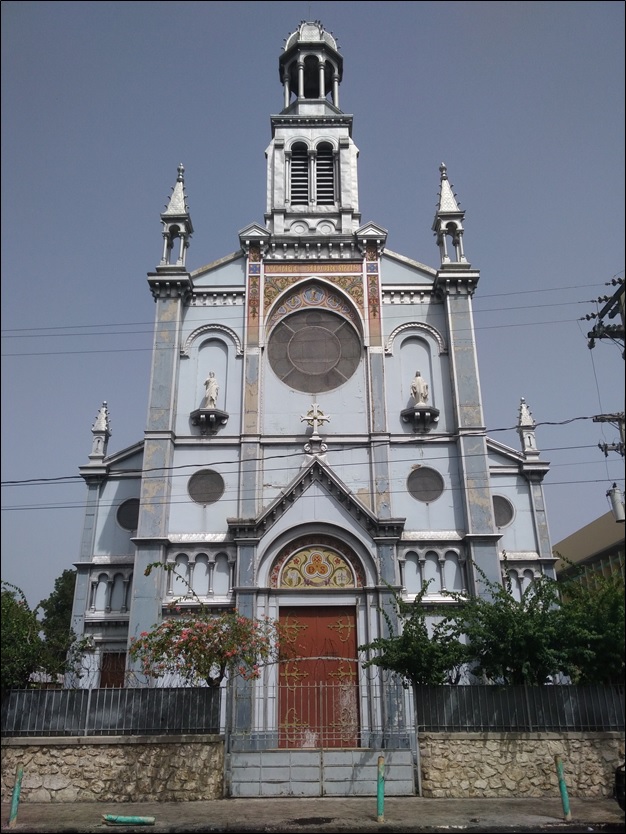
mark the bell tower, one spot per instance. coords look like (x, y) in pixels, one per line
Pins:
(312, 189)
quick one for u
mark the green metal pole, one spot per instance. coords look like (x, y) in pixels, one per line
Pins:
(380, 792)
(563, 788)
(15, 800)
(114, 819)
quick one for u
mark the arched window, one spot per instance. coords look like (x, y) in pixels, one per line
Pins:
(412, 574)
(221, 577)
(180, 576)
(201, 576)
(299, 174)
(100, 596)
(431, 572)
(118, 593)
(453, 573)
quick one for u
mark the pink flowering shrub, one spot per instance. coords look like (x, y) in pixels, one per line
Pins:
(201, 648)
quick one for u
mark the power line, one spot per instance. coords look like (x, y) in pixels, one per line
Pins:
(38, 332)
(365, 446)
(237, 495)
(457, 331)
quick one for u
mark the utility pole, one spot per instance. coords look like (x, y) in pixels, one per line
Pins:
(618, 421)
(613, 306)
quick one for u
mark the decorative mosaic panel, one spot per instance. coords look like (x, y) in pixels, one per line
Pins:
(316, 568)
(347, 277)
(314, 295)
(316, 563)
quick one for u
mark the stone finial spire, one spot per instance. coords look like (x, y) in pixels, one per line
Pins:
(526, 430)
(176, 223)
(448, 222)
(177, 205)
(447, 197)
(101, 431)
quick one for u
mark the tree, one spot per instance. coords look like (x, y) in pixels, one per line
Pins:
(512, 641)
(571, 631)
(21, 643)
(56, 622)
(416, 654)
(555, 629)
(594, 621)
(203, 647)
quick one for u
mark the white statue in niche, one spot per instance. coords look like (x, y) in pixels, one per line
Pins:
(419, 389)
(211, 390)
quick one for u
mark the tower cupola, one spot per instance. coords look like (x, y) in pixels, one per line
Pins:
(311, 66)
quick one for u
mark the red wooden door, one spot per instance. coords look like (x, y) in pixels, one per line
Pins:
(113, 669)
(318, 688)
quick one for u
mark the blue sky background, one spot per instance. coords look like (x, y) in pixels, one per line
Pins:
(524, 102)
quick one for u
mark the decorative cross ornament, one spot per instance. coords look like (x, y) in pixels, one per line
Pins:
(315, 417)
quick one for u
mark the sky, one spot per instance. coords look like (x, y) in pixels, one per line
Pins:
(523, 101)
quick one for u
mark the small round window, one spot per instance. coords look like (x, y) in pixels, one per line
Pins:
(128, 514)
(314, 350)
(425, 484)
(502, 510)
(206, 486)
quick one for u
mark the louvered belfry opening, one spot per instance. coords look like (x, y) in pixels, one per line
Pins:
(299, 175)
(325, 175)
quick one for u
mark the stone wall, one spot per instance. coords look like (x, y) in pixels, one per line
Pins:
(120, 769)
(183, 768)
(518, 765)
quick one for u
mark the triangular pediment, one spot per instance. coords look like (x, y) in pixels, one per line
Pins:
(371, 230)
(254, 232)
(321, 475)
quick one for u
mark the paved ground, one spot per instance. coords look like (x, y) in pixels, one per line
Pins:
(344, 815)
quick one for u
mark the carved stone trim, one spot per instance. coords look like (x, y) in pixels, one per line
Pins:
(209, 328)
(417, 325)
(208, 419)
(207, 298)
(423, 417)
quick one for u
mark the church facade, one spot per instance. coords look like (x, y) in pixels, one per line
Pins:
(315, 437)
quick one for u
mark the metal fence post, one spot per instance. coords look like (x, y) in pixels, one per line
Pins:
(380, 793)
(15, 799)
(563, 788)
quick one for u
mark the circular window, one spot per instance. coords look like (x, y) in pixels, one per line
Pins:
(206, 486)
(502, 510)
(128, 514)
(314, 350)
(425, 484)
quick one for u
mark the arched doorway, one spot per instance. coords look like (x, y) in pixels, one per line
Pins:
(318, 680)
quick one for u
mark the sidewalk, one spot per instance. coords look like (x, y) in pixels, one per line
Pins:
(343, 815)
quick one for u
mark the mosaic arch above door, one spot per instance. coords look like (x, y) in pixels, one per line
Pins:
(316, 564)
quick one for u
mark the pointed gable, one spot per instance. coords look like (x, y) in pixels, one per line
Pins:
(317, 473)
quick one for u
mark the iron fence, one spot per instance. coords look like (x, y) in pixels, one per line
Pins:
(107, 712)
(315, 714)
(520, 708)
